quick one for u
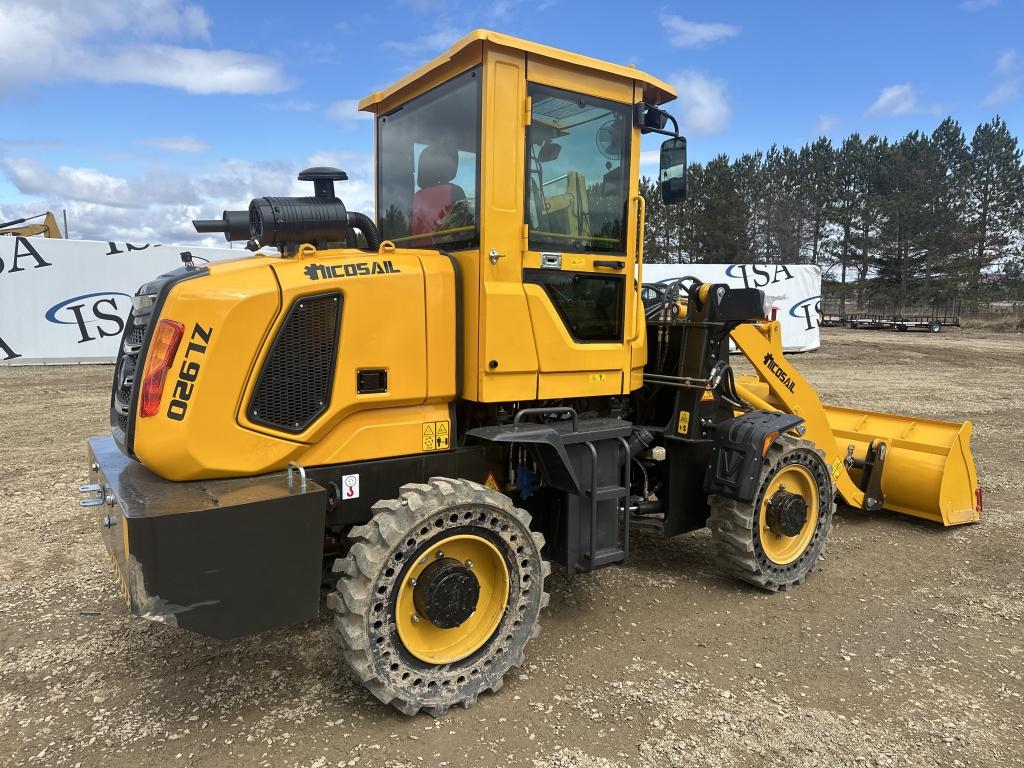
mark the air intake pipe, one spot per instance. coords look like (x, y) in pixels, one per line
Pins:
(286, 222)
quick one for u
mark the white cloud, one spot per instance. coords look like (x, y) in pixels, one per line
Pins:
(650, 157)
(1008, 69)
(978, 5)
(190, 69)
(158, 206)
(1008, 63)
(705, 109)
(123, 41)
(1008, 90)
(347, 110)
(89, 184)
(501, 11)
(825, 124)
(177, 144)
(900, 99)
(296, 105)
(425, 6)
(428, 44)
(683, 33)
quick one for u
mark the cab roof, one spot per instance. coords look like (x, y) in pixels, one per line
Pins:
(655, 91)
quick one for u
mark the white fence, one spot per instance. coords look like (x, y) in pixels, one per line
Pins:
(65, 301)
(793, 290)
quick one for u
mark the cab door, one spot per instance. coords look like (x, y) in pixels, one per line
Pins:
(579, 268)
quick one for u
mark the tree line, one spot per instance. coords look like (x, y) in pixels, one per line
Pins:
(927, 218)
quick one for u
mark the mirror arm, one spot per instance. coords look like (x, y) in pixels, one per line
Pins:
(645, 129)
(662, 131)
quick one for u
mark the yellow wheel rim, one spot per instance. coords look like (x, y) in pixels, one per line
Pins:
(444, 646)
(779, 548)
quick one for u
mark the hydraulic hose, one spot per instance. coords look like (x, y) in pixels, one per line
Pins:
(365, 224)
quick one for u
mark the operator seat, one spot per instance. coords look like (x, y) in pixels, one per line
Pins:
(436, 195)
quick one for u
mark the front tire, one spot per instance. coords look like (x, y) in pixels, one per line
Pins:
(439, 595)
(775, 541)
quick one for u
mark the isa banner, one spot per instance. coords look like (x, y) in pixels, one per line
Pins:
(65, 301)
(792, 290)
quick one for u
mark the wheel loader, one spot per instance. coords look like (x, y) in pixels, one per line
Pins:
(418, 413)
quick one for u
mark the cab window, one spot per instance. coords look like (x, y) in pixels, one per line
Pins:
(428, 167)
(577, 172)
(589, 305)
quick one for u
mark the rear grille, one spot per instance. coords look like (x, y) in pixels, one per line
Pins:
(125, 371)
(294, 386)
(132, 354)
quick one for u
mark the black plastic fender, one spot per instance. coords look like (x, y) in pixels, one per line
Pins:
(737, 453)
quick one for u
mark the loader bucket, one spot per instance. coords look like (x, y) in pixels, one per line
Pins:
(928, 470)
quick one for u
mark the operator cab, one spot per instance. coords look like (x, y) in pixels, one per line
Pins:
(522, 162)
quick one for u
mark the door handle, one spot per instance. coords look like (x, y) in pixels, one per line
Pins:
(610, 264)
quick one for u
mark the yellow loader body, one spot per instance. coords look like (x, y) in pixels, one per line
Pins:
(425, 410)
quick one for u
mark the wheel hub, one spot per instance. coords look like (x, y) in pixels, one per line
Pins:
(446, 593)
(786, 513)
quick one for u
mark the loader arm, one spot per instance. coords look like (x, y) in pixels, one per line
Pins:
(918, 467)
(761, 344)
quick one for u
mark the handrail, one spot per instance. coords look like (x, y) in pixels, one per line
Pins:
(435, 233)
(638, 280)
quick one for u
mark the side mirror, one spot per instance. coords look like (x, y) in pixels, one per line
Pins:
(673, 170)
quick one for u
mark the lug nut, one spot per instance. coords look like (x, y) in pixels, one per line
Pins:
(412, 582)
(440, 554)
(415, 618)
(469, 563)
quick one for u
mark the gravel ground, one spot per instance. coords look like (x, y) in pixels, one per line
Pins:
(905, 647)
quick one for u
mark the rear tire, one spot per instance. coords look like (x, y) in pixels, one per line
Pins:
(411, 661)
(935, 327)
(747, 548)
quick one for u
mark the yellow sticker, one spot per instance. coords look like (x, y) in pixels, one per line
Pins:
(597, 378)
(435, 435)
(577, 261)
(684, 423)
(837, 467)
(491, 483)
(707, 395)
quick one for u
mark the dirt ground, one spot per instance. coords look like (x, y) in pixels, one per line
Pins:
(905, 647)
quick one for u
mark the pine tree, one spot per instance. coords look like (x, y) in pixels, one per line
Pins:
(851, 189)
(995, 189)
(817, 184)
(719, 225)
(924, 218)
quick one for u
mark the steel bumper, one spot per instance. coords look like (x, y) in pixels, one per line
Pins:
(224, 558)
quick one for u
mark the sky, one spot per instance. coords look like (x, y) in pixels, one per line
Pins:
(138, 115)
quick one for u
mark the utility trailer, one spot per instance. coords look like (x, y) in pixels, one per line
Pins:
(931, 319)
(834, 320)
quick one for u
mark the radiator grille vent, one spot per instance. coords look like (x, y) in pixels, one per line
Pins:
(294, 386)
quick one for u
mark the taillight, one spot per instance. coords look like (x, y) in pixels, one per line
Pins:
(979, 498)
(162, 349)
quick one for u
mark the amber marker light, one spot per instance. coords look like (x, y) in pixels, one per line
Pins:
(162, 349)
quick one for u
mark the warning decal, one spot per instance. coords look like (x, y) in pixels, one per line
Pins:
(684, 423)
(436, 435)
(837, 467)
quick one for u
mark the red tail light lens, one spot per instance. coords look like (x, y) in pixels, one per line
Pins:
(162, 349)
